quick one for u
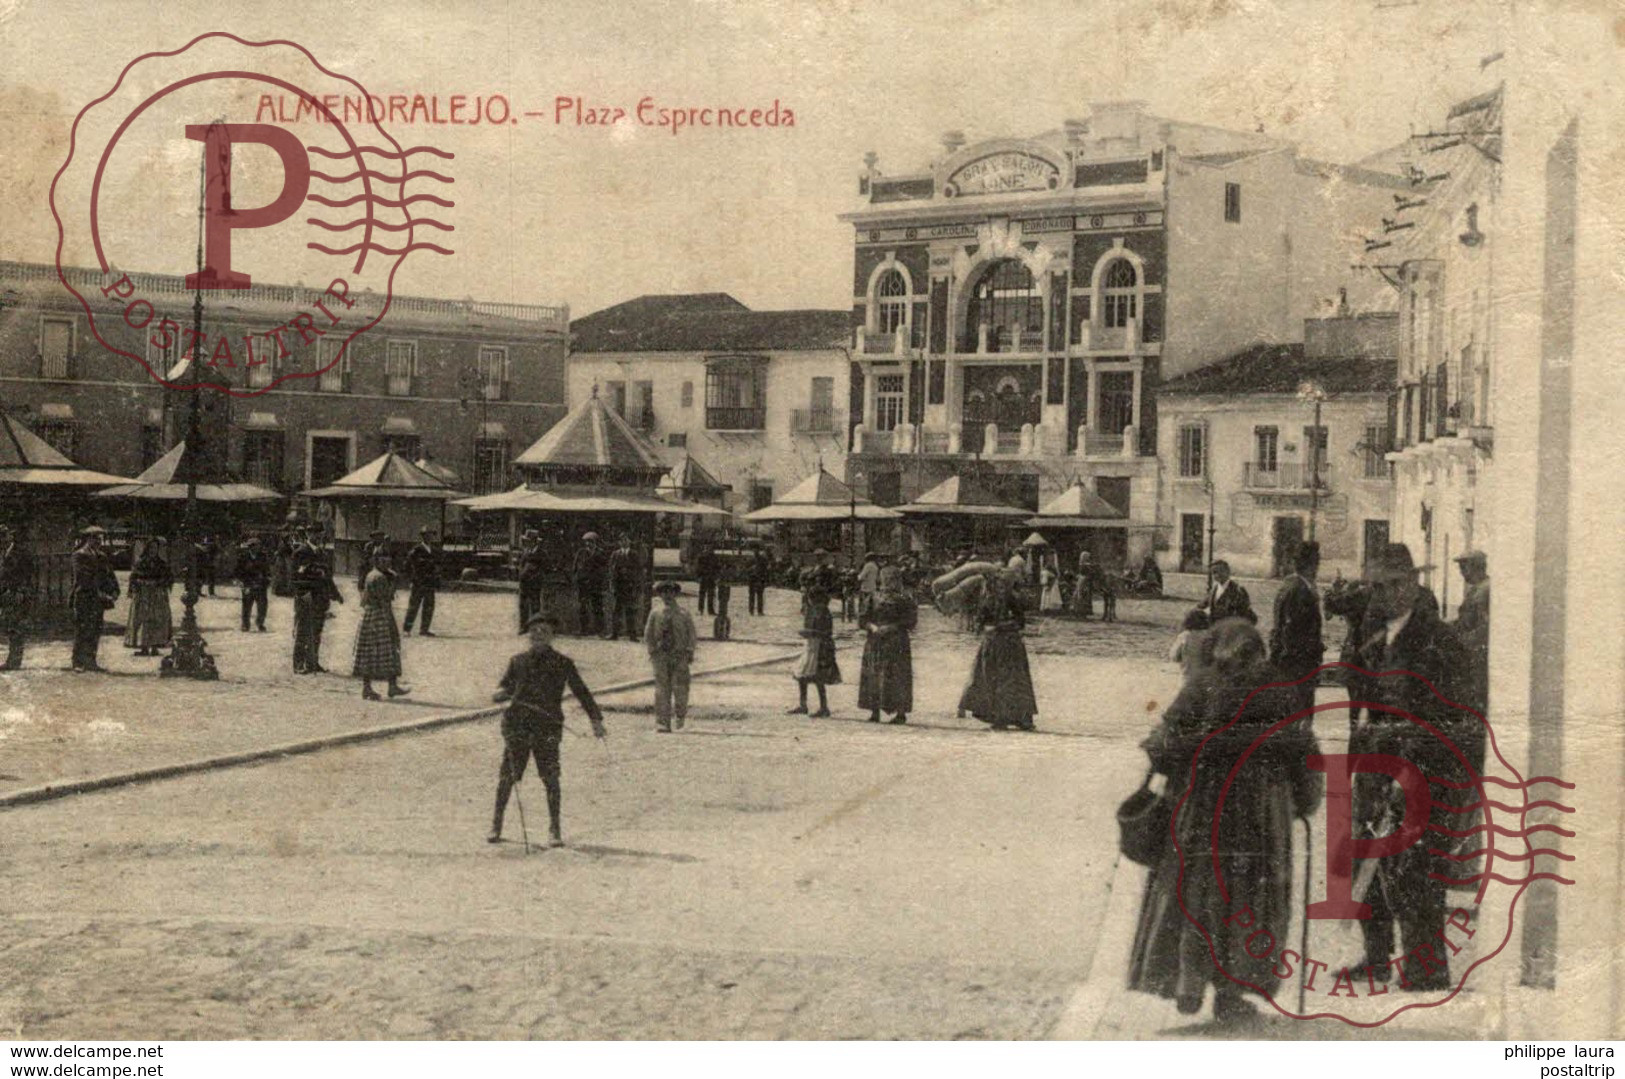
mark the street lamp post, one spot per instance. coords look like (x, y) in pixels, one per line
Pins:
(1312, 391)
(1212, 527)
(189, 654)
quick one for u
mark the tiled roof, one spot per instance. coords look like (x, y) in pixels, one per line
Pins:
(1282, 369)
(705, 322)
(593, 435)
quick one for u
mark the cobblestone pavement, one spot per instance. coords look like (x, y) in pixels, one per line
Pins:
(755, 876)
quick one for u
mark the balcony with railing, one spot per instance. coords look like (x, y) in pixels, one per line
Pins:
(1286, 476)
(815, 421)
(747, 418)
(1032, 440)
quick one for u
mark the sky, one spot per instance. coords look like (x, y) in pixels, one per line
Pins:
(590, 215)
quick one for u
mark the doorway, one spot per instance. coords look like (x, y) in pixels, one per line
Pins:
(1288, 538)
(329, 459)
(1190, 543)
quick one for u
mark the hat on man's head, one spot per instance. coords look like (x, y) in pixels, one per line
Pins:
(668, 588)
(1393, 558)
(1471, 558)
(425, 531)
(92, 530)
(377, 534)
(820, 553)
(589, 536)
(541, 618)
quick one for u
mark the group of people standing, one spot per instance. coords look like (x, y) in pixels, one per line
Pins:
(1221, 715)
(608, 580)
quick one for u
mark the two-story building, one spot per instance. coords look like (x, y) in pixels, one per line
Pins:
(1017, 302)
(1441, 264)
(460, 383)
(756, 397)
(1279, 444)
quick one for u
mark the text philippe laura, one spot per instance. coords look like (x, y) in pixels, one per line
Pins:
(474, 109)
(242, 350)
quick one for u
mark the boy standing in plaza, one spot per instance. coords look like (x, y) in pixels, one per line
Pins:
(533, 687)
(670, 637)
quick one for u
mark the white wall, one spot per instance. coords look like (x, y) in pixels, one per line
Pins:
(775, 455)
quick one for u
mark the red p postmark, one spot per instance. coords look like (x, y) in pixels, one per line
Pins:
(160, 187)
(1400, 913)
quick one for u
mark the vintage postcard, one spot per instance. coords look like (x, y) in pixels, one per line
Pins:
(696, 520)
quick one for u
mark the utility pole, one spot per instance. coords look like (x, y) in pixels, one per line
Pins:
(1312, 391)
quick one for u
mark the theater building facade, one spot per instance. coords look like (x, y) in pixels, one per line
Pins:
(1017, 303)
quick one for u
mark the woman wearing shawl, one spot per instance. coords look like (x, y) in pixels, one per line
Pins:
(151, 626)
(886, 681)
(378, 640)
(1217, 718)
(1000, 693)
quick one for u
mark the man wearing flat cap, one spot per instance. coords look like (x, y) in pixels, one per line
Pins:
(16, 596)
(1404, 634)
(95, 590)
(377, 540)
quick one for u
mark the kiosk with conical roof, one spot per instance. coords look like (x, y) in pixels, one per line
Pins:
(388, 494)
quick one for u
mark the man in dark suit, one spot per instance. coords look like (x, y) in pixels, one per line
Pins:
(313, 593)
(625, 591)
(706, 568)
(1225, 597)
(16, 596)
(1296, 647)
(254, 577)
(95, 589)
(529, 569)
(591, 573)
(423, 570)
(376, 541)
(1404, 634)
(1472, 625)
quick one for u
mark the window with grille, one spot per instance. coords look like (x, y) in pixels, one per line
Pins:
(490, 465)
(259, 375)
(407, 446)
(643, 404)
(400, 366)
(889, 401)
(688, 395)
(1376, 447)
(56, 348)
(893, 306)
(735, 397)
(761, 494)
(1232, 202)
(1266, 449)
(677, 440)
(1119, 299)
(60, 435)
(262, 458)
(335, 376)
(1193, 451)
(494, 372)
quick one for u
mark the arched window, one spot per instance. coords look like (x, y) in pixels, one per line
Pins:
(1119, 301)
(1007, 300)
(893, 295)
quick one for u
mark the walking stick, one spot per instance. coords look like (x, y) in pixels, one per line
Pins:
(1303, 933)
(523, 831)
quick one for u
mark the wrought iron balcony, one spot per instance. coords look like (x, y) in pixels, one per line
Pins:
(1286, 476)
(735, 419)
(815, 421)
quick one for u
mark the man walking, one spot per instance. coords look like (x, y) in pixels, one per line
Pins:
(761, 571)
(1296, 647)
(670, 637)
(95, 589)
(592, 581)
(533, 724)
(530, 571)
(625, 590)
(1472, 625)
(705, 570)
(16, 596)
(1404, 634)
(1225, 597)
(254, 581)
(313, 593)
(423, 571)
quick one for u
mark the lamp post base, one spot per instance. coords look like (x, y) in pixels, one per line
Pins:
(188, 652)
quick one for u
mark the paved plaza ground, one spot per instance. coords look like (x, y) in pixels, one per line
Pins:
(756, 876)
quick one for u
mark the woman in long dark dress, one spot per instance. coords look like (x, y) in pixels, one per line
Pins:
(886, 681)
(151, 625)
(378, 639)
(1172, 958)
(818, 666)
(1000, 692)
